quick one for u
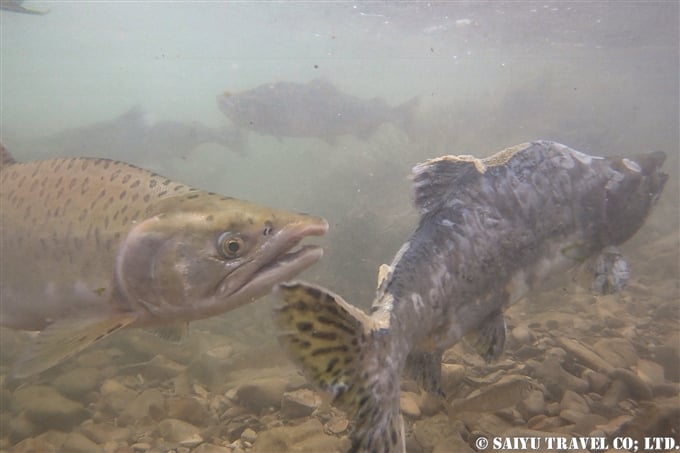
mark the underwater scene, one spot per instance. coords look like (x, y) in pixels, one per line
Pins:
(344, 226)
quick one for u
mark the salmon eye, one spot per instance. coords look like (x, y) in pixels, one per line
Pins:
(230, 245)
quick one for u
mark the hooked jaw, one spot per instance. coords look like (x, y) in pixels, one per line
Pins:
(276, 262)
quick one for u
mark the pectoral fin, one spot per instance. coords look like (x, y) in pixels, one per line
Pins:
(172, 332)
(63, 339)
(426, 369)
(489, 339)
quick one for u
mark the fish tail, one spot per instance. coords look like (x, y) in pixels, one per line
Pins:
(6, 158)
(341, 351)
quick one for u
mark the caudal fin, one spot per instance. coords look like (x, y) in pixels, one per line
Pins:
(339, 349)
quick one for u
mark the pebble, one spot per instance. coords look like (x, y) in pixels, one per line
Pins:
(211, 448)
(532, 405)
(307, 436)
(248, 435)
(44, 406)
(299, 403)
(573, 401)
(337, 425)
(408, 402)
(180, 432)
(451, 377)
(77, 443)
(636, 386)
(262, 394)
(150, 403)
(433, 430)
(77, 383)
(522, 335)
(187, 409)
(584, 354)
(617, 352)
(650, 372)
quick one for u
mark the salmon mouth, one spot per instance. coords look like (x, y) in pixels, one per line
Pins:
(279, 261)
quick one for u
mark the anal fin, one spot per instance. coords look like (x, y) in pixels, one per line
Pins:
(63, 339)
(425, 368)
(172, 332)
(323, 333)
(489, 339)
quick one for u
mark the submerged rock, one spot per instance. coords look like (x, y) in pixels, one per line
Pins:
(180, 433)
(261, 394)
(308, 436)
(47, 408)
(299, 403)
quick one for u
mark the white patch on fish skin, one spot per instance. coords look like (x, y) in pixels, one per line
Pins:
(582, 157)
(631, 165)
(417, 301)
(447, 223)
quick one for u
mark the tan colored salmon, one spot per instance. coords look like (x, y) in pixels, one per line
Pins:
(90, 246)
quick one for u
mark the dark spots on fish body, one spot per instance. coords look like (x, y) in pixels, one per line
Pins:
(83, 215)
(135, 184)
(122, 195)
(153, 183)
(209, 218)
(106, 222)
(146, 198)
(331, 364)
(126, 178)
(226, 198)
(84, 165)
(178, 187)
(107, 163)
(167, 181)
(329, 336)
(192, 196)
(304, 326)
(27, 212)
(335, 323)
(250, 221)
(85, 186)
(115, 175)
(329, 350)
(303, 344)
(162, 194)
(135, 197)
(135, 216)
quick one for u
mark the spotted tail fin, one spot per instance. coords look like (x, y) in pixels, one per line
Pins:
(340, 349)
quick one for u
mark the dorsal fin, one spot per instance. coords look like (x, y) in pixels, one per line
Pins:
(438, 179)
(435, 180)
(5, 157)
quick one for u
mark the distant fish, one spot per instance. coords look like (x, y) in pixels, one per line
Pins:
(90, 246)
(490, 230)
(15, 7)
(315, 109)
(135, 136)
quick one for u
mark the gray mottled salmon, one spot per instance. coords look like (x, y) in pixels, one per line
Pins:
(490, 230)
(313, 109)
(90, 246)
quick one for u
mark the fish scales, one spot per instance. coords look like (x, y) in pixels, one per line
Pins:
(490, 231)
(92, 245)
